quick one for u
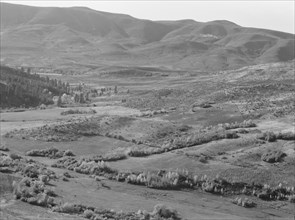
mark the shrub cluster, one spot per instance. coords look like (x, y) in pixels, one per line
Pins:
(35, 171)
(60, 132)
(113, 156)
(144, 151)
(66, 162)
(204, 105)
(275, 193)
(179, 179)
(93, 168)
(34, 191)
(151, 113)
(244, 124)
(273, 156)
(3, 148)
(183, 142)
(247, 203)
(267, 136)
(291, 198)
(15, 156)
(26, 167)
(271, 136)
(287, 136)
(119, 137)
(85, 166)
(162, 179)
(51, 152)
(160, 212)
(77, 111)
(110, 156)
(175, 180)
(69, 208)
(8, 162)
(201, 138)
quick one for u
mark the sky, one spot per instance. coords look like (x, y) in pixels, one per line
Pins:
(275, 15)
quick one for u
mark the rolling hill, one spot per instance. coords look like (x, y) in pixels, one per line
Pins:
(63, 37)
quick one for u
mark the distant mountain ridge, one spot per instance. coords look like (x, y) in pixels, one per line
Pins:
(67, 36)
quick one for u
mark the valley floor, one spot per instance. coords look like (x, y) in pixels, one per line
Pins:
(162, 140)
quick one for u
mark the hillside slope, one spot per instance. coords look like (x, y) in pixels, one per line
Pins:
(65, 36)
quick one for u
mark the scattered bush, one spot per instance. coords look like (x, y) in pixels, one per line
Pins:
(68, 153)
(3, 148)
(86, 166)
(33, 192)
(160, 212)
(244, 202)
(34, 171)
(66, 162)
(88, 214)
(51, 152)
(60, 132)
(176, 180)
(244, 124)
(66, 174)
(275, 193)
(14, 156)
(6, 170)
(31, 171)
(40, 200)
(93, 168)
(231, 135)
(288, 136)
(114, 156)
(77, 111)
(291, 198)
(50, 192)
(271, 136)
(139, 152)
(183, 142)
(203, 159)
(163, 211)
(160, 180)
(152, 113)
(273, 156)
(44, 179)
(182, 179)
(243, 131)
(69, 208)
(267, 136)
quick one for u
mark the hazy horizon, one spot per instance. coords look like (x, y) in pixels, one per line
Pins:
(274, 15)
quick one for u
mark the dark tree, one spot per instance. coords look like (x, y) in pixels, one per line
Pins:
(59, 102)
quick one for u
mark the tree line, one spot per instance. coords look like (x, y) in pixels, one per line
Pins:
(21, 88)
